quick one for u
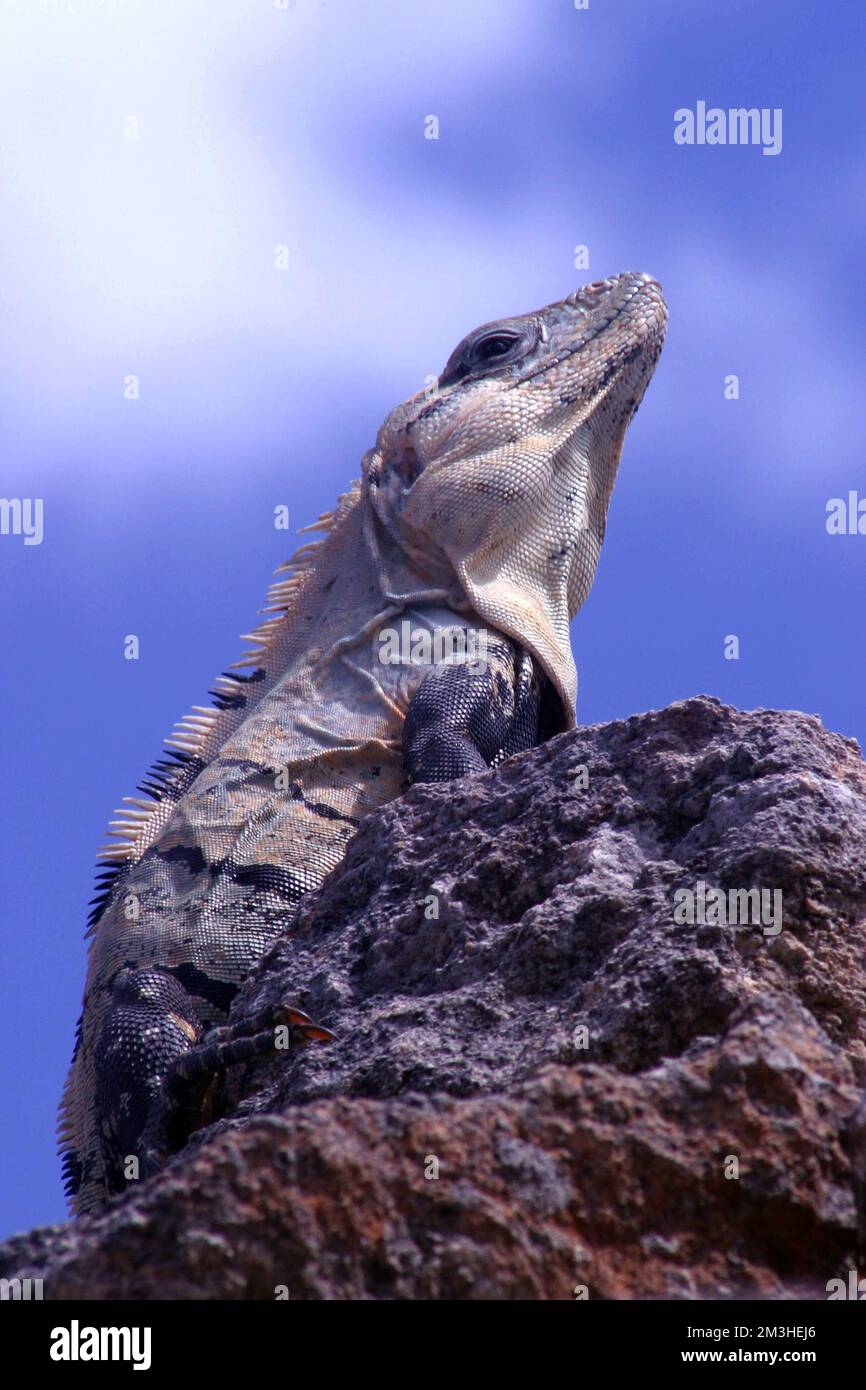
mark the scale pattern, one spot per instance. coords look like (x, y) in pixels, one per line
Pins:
(474, 531)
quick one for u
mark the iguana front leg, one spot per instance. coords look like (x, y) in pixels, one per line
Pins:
(468, 716)
(157, 1068)
(157, 1062)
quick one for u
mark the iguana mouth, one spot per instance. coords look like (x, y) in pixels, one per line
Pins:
(636, 285)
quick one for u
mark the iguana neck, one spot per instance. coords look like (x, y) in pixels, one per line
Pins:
(324, 606)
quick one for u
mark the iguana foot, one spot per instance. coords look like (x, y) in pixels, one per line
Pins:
(273, 1028)
(187, 1100)
(159, 1068)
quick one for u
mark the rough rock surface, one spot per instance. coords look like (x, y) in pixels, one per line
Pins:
(613, 1100)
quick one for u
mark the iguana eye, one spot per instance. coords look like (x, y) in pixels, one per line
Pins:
(492, 346)
(488, 349)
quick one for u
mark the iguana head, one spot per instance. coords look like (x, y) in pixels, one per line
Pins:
(503, 470)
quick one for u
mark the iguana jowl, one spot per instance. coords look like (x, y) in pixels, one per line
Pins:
(480, 510)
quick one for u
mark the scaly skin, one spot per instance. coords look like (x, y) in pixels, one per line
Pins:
(482, 506)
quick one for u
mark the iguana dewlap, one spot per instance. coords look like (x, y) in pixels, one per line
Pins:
(473, 533)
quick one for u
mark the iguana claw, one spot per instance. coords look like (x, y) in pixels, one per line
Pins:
(302, 1024)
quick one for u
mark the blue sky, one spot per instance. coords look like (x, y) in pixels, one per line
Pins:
(304, 127)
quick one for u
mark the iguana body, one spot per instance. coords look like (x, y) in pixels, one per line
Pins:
(481, 509)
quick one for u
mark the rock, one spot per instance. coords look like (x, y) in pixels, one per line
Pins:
(545, 1079)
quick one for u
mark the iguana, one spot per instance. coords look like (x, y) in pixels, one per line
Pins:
(425, 636)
